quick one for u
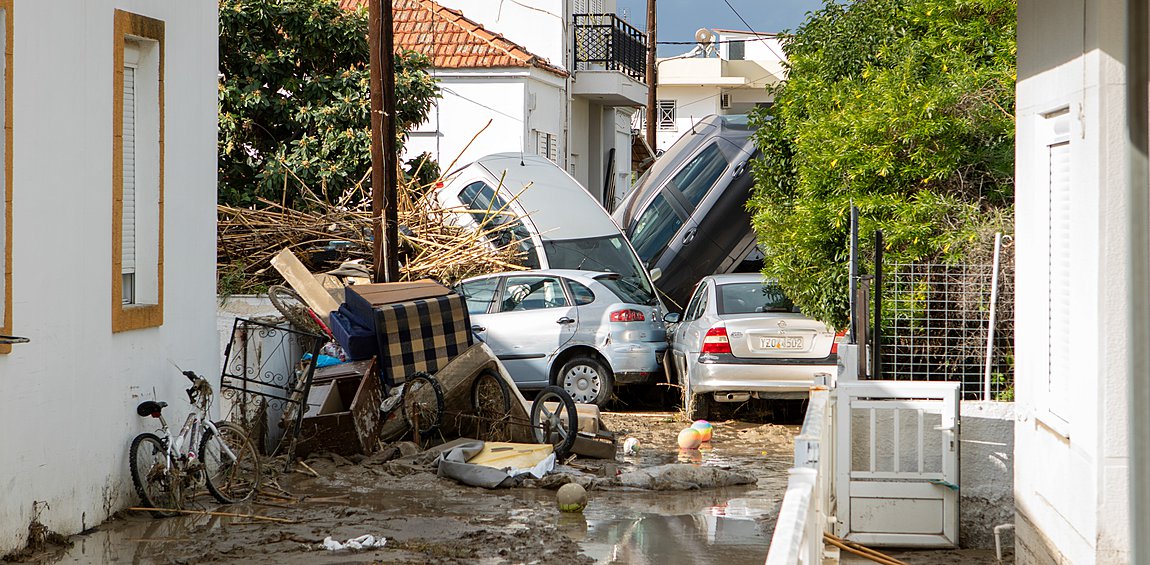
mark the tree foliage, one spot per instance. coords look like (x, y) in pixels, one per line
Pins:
(293, 99)
(904, 107)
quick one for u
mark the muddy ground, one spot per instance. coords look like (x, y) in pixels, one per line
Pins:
(427, 519)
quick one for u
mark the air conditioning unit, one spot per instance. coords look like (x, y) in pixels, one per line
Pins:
(724, 101)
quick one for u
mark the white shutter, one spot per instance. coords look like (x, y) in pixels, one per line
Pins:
(597, 7)
(1059, 343)
(580, 6)
(128, 232)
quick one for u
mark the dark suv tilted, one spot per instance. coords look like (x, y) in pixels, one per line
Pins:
(687, 215)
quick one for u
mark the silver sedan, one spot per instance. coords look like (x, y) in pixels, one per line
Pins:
(582, 330)
(741, 337)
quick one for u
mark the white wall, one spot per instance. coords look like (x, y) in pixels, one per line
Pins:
(68, 398)
(471, 97)
(693, 103)
(1071, 467)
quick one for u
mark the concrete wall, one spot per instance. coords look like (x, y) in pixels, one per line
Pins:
(68, 398)
(1071, 462)
(986, 469)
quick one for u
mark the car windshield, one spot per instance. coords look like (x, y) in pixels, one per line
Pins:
(608, 254)
(748, 298)
(493, 215)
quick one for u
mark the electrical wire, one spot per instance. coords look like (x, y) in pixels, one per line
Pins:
(752, 30)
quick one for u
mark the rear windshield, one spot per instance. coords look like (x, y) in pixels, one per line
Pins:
(608, 254)
(749, 298)
(493, 215)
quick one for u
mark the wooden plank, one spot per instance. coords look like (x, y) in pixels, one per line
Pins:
(301, 280)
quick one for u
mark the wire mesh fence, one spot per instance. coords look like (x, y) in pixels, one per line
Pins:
(936, 320)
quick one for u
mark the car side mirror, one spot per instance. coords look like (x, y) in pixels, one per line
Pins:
(671, 317)
(656, 273)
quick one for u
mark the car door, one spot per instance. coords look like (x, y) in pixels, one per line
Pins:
(688, 338)
(528, 322)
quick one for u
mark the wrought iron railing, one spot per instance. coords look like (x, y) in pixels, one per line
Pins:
(603, 41)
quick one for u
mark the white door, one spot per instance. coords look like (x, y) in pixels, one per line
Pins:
(897, 463)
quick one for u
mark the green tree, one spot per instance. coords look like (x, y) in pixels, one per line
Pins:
(904, 107)
(293, 99)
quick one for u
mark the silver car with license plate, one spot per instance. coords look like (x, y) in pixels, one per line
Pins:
(739, 338)
(585, 331)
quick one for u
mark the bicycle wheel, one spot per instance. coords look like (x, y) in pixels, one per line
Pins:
(422, 403)
(491, 403)
(554, 420)
(147, 460)
(229, 480)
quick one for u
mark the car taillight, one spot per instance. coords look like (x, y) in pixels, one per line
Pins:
(716, 341)
(628, 315)
(839, 338)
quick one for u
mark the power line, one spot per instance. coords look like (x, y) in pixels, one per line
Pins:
(744, 20)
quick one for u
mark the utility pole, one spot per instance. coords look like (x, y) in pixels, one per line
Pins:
(384, 165)
(652, 79)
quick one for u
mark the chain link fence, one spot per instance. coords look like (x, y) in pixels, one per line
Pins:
(935, 321)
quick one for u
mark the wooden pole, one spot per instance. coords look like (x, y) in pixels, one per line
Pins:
(375, 95)
(652, 79)
(384, 157)
(390, 150)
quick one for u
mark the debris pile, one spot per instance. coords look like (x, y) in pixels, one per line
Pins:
(330, 232)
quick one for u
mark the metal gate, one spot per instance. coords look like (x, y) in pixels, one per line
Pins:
(897, 463)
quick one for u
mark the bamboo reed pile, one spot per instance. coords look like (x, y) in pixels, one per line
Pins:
(431, 245)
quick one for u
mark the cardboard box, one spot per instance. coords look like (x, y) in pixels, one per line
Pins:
(343, 412)
(363, 299)
(421, 335)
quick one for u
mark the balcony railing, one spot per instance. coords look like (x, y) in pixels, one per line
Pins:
(603, 41)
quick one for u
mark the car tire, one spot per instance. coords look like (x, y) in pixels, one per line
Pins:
(587, 380)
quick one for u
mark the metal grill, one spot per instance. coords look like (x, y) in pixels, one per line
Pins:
(935, 324)
(603, 41)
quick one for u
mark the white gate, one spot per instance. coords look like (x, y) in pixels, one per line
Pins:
(897, 463)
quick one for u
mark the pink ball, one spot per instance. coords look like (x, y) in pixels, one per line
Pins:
(705, 428)
(690, 438)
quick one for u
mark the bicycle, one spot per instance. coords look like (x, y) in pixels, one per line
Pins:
(167, 470)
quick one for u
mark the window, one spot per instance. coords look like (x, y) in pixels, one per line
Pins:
(582, 294)
(697, 305)
(6, 174)
(478, 294)
(1060, 298)
(666, 115)
(737, 50)
(745, 298)
(654, 229)
(700, 174)
(137, 173)
(494, 215)
(547, 145)
(532, 293)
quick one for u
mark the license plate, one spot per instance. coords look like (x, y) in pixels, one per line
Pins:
(786, 342)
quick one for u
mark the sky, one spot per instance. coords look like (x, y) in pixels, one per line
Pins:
(678, 19)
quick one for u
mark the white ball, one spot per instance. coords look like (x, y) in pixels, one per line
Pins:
(571, 498)
(631, 446)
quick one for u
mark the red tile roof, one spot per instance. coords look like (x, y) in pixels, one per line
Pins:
(453, 41)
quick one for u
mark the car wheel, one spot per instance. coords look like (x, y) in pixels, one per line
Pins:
(586, 380)
(695, 406)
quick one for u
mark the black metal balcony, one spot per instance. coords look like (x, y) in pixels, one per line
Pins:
(603, 41)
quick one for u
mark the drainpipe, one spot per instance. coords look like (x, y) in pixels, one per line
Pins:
(1138, 274)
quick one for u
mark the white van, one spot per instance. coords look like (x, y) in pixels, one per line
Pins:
(558, 223)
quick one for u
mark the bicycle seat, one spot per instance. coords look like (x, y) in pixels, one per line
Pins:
(150, 408)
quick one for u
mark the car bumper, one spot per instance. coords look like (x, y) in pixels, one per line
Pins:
(730, 374)
(635, 363)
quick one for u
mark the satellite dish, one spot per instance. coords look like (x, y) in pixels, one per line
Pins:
(704, 36)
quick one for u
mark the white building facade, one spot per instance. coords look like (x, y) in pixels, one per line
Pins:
(1073, 441)
(107, 243)
(730, 77)
(557, 78)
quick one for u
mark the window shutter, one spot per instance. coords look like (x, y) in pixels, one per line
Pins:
(128, 234)
(1059, 278)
